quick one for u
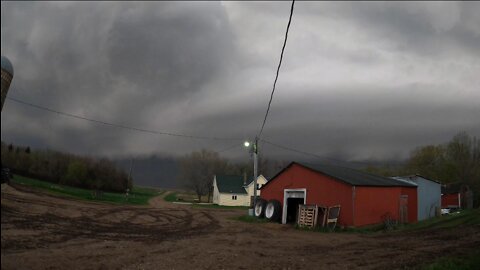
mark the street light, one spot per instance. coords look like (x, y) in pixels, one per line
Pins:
(254, 149)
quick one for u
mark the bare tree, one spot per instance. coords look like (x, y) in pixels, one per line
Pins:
(198, 168)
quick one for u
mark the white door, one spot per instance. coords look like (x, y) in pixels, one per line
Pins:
(292, 193)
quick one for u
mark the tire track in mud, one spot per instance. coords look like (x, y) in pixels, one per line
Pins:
(114, 223)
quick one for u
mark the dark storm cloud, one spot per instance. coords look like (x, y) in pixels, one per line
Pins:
(359, 80)
(111, 61)
(427, 29)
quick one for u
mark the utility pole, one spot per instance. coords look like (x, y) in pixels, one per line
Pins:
(254, 150)
(130, 171)
(255, 170)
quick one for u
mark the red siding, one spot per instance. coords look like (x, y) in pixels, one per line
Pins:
(412, 203)
(450, 199)
(321, 190)
(371, 203)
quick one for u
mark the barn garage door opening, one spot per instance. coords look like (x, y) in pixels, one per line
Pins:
(292, 209)
(291, 200)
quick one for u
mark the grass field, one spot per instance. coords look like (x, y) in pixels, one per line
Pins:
(467, 262)
(184, 196)
(172, 197)
(189, 198)
(465, 217)
(138, 195)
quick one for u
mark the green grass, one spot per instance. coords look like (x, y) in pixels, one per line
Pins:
(138, 195)
(466, 262)
(184, 196)
(250, 219)
(216, 206)
(465, 217)
(172, 197)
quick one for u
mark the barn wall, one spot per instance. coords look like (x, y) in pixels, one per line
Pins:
(429, 194)
(412, 203)
(321, 190)
(371, 203)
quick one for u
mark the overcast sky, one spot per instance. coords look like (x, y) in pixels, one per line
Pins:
(359, 80)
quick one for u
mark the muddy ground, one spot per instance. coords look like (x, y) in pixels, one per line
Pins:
(41, 231)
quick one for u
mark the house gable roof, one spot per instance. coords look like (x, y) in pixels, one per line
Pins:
(230, 184)
(250, 182)
(350, 176)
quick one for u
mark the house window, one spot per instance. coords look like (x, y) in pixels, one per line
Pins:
(259, 186)
(234, 197)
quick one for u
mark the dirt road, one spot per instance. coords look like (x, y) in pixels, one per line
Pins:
(41, 231)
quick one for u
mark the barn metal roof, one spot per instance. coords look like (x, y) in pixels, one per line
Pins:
(351, 176)
(231, 184)
(413, 178)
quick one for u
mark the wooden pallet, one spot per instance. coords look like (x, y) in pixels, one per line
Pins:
(307, 215)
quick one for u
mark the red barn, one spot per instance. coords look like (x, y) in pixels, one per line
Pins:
(364, 198)
(457, 195)
(452, 200)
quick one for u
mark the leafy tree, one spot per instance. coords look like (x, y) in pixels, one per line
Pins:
(462, 158)
(428, 161)
(76, 173)
(68, 169)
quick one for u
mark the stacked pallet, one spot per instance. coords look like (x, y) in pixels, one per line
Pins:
(307, 215)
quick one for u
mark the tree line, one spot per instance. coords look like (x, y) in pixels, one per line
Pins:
(457, 161)
(66, 169)
(197, 169)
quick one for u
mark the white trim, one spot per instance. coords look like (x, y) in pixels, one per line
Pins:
(285, 191)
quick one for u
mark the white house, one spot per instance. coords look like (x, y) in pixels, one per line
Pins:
(235, 190)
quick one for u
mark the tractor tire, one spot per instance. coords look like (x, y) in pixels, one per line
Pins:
(259, 209)
(273, 210)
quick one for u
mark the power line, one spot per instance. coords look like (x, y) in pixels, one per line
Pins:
(292, 149)
(229, 148)
(278, 69)
(121, 126)
(314, 155)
